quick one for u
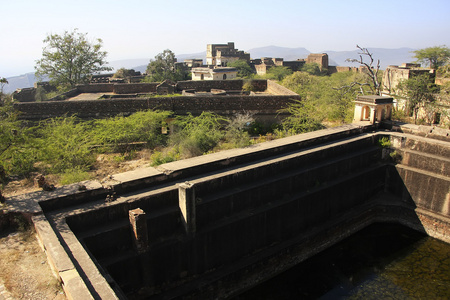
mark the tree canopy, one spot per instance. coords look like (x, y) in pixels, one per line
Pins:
(70, 58)
(435, 57)
(278, 72)
(313, 69)
(163, 67)
(244, 69)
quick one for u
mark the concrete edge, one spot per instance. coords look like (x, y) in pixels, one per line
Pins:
(98, 282)
(60, 263)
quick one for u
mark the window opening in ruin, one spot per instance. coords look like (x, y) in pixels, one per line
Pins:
(202, 77)
(366, 113)
(224, 76)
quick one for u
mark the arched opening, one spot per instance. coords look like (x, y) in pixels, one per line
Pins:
(365, 113)
(202, 77)
(224, 76)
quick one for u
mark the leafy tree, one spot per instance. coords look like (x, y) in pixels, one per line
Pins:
(244, 69)
(435, 57)
(419, 91)
(3, 81)
(70, 58)
(163, 67)
(278, 73)
(3, 96)
(371, 73)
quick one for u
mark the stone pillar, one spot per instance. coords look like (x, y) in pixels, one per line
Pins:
(138, 222)
(186, 200)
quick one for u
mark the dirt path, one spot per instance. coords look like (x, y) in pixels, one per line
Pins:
(25, 273)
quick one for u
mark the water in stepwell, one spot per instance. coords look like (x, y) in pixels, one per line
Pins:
(383, 261)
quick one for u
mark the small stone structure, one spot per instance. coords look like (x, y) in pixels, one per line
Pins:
(372, 108)
(216, 73)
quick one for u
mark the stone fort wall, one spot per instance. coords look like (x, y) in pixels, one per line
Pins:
(266, 108)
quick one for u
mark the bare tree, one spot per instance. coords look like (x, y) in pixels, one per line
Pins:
(368, 69)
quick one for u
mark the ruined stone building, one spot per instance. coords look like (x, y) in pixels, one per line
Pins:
(319, 58)
(394, 74)
(437, 114)
(221, 54)
(265, 63)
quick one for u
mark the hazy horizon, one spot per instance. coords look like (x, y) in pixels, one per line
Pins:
(139, 30)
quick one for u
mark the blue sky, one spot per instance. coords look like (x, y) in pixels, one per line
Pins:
(141, 29)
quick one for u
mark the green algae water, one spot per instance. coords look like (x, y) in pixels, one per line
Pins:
(382, 261)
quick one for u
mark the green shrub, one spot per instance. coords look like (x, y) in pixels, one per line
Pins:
(159, 158)
(197, 135)
(303, 117)
(143, 126)
(65, 144)
(74, 175)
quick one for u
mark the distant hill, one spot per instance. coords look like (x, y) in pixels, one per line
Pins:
(19, 82)
(141, 64)
(287, 54)
(387, 57)
(336, 58)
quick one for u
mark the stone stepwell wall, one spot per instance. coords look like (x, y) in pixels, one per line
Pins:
(248, 212)
(221, 223)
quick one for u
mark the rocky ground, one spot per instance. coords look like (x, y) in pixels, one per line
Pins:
(25, 273)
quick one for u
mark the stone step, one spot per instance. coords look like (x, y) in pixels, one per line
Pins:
(426, 145)
(254, 171)
(428, 162)
(428, 190)
(225, 202)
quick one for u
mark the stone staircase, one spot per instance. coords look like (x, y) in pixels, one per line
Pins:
(424, 169)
